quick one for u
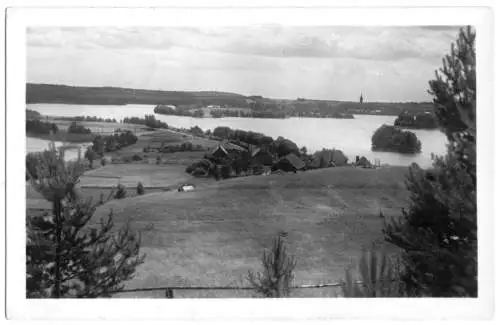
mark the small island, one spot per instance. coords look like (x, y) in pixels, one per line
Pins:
(391, 138)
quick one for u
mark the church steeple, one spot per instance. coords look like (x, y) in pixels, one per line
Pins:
(361, 98)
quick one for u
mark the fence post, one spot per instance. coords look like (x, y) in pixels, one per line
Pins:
(169, 293)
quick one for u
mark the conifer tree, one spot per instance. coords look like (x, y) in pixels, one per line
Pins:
(438, 232)
(69, 255)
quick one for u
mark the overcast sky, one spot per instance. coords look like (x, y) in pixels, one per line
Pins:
(387, 64)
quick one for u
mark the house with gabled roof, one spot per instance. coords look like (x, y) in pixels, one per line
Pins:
(290, 163)
(262, 157)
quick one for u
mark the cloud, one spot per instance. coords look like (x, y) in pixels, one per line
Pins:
(285, 62)
(441, 28)
(377, 43)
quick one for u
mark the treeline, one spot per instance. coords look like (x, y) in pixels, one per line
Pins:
(102, 144)
(391, 138)
(279, 146)
(416, 121)
(40, 127)
(324, 115)
(78, 129)
(249, 137)
(253, 114)
(164, 148)
(46, 93)
(85, 119)
(167, 110)
(31, 114)
(148, 120)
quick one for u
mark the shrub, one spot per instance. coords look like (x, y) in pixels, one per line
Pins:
(391, 138)
(90, 155)
(187, 146)
(140, 189)
(32, 115)
(40, 127)
(113, 142)
(377, 277)
(121, 191)
(103, 161)
(136, 157)
(148, 120)
(126, 159)
(77, 128)
(276, 280)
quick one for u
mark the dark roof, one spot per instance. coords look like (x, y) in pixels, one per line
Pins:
(232, 146)
(219, 147)
(295, 161)
(255, 152)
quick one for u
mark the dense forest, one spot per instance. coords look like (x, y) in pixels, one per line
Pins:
(45, 93)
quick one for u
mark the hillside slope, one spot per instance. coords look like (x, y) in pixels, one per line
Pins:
(214, 235)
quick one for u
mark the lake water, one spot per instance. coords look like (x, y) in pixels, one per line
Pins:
(34, 145)
(352, 136)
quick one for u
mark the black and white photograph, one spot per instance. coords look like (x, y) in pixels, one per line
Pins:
(250, 161)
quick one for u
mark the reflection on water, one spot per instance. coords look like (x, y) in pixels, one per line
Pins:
(36, 145)
(352, 136)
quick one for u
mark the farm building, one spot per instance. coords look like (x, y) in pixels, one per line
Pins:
(262, 157)
(233, 147)
(290, 163)
(224, 149)
(220, 151)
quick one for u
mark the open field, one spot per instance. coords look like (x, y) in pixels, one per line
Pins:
(63, 136)
(155, 178)
(214, 235)
(103, 127)
(168, 137)
(130, 174)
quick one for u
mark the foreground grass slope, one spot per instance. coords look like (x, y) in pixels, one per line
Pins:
(214, 235)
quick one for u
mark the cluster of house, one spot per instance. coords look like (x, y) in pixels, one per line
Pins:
(288, 163)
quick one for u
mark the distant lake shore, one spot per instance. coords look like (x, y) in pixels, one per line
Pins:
(352, 136)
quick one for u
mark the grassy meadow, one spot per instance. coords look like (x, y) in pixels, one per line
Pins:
(214, 235)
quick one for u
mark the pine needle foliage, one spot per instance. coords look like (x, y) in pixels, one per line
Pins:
(438, 231)
(377, 277)
(69, 255)
(276, 279)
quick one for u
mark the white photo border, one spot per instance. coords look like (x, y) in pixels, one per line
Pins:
(18, 307)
